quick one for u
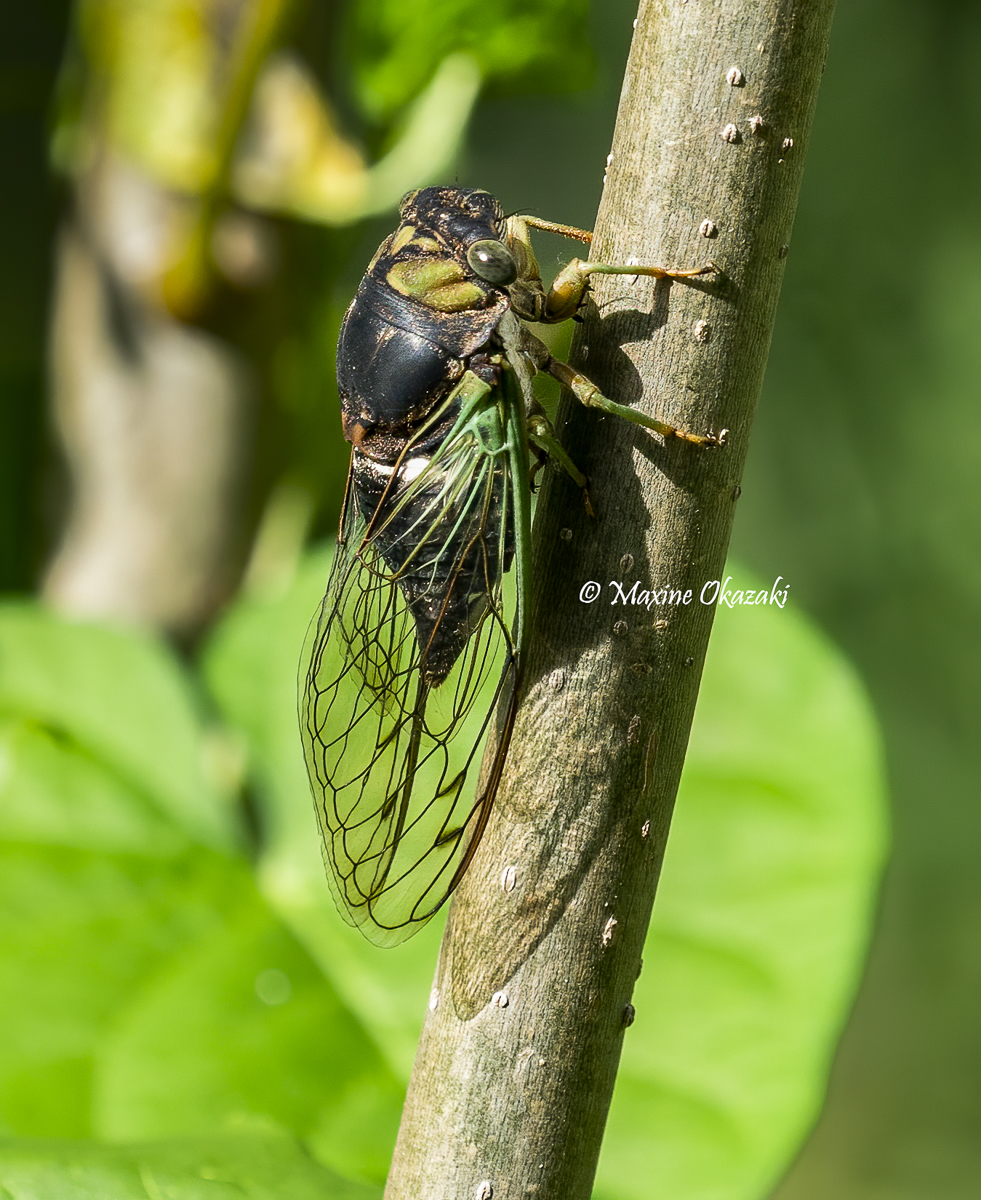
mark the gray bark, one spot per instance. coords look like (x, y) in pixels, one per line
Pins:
(519, 1053)
(154, 416)
(154, 419)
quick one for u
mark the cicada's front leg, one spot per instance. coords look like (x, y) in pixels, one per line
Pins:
(565, 296)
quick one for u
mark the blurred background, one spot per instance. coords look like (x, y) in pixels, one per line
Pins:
(193, 191)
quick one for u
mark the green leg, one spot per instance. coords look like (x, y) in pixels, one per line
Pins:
(591, 268)
(542, 435)
(588, 393)
(566, 293)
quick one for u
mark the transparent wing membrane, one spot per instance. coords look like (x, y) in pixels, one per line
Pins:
(405, 662)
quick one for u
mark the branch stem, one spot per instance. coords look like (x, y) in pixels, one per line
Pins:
(531, 1002)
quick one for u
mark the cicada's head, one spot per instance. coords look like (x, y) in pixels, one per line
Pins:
(466, 225)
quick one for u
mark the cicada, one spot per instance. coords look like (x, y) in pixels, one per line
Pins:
(418, 641)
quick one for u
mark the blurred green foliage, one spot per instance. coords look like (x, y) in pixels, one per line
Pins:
(862, 487)
(156, 985)
(255, 1164)
(397, 45)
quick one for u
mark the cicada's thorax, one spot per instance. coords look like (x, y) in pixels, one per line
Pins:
(419, 317)
(426, 313)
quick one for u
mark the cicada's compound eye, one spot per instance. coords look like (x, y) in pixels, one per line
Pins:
(493, 262)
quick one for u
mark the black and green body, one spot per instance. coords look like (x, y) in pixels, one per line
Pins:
(420, 368)
(418, 641)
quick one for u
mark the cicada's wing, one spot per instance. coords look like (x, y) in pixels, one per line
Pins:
(404, 666)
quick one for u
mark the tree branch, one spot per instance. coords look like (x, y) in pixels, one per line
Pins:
(519, 1053)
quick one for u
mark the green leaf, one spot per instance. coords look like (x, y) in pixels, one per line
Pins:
(147, 990)
(396, 46)
(120, 697)
(82, 933)
(54, 791)
(761, 922)
(244, 1025)
(257, 1165)
(250, 665)
(143, 998)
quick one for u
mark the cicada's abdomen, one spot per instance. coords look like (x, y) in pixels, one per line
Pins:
(447, 546)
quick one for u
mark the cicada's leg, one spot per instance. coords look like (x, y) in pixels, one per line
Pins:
(566, 293)
(569, 231)
(541, 434)
(588, 393)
